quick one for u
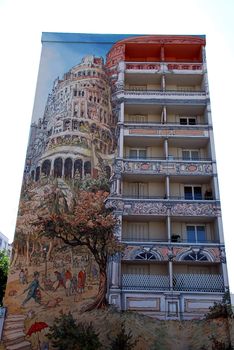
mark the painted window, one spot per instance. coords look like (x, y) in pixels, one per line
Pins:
(138, 153)
(193, 192)
(188, 121)
(189, 154)
(196, 233)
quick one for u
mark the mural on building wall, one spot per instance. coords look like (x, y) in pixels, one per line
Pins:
(67, 177)
(66, 238)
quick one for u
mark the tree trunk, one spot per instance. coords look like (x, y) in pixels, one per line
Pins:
(51, 245)
(16, 251)
(100, 301)
(27, 252)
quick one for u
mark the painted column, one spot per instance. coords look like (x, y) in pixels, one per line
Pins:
(163, 83)
(220, 229)
(166, 148)
(224, 266)
(168, 228)
(167, 187)
(115, 266)
(121, 69)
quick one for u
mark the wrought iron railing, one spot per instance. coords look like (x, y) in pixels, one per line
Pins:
(198, 283)
(142, 282)
(181, 282)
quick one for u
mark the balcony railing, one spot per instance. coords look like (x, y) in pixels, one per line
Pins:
(198, 283)
(170, 166)
(159, 66)
(162, 240)
(173, 198)
(161, 207)
(121, 91)
(165, 125)
(181, 282)
(145, 282)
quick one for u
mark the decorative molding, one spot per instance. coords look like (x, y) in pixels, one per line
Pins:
(164, 167)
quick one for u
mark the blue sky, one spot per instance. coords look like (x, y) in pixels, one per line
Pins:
(21, 25)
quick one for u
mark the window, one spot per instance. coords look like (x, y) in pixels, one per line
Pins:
(145, 256)
(196, 233)
(193, 192)
(137, 189)
(188, 121)
(138, 231)
(138, 118)
(139, 153)
(189, 154)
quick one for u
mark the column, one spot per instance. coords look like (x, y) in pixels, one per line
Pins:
(121, 113)
(220, 229)
(168, 228)
(167, 187)
(166, 148)
(224, 266)
(115, 267)
(121, 138)
(170, 267)
(121, 69)
(163, 83)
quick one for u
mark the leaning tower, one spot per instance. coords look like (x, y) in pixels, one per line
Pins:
(76, 133)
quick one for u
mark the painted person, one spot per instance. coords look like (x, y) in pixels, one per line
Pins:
(22, 276)
(33, 290)
(59, 280)
(68, 283)
(81, 280)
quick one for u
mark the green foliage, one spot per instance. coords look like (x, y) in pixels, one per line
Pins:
(4, 266)
(93, 185)
(221, 309)
(123, 340)
(67, 334)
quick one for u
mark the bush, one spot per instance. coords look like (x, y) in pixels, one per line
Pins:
(123, 340)
(222, 309)
(67, 334)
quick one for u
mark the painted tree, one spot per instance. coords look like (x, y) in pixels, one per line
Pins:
(88, 224)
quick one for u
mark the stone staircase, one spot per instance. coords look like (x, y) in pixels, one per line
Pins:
(13, 333)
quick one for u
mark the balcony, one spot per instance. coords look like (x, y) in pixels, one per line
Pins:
(167, 96)
(158, 206)
(150, 129)
(146, 67)
(176, 240)
(172, 166)
(181, 282)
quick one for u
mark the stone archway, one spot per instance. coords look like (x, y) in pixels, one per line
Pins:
(58, 167)
(46, 167)
(68, 168)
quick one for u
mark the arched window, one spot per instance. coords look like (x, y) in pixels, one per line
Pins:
(68, 168)
(46, 166)
(37, 173)
(78, 165)
(195, 256)
(58, 167)
(32, 174)
(87, 168)
(145, 256)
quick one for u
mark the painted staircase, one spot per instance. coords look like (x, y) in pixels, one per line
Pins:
(13, 333)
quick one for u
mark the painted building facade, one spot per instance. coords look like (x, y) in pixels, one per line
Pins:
(134, 110)
(166, 187)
